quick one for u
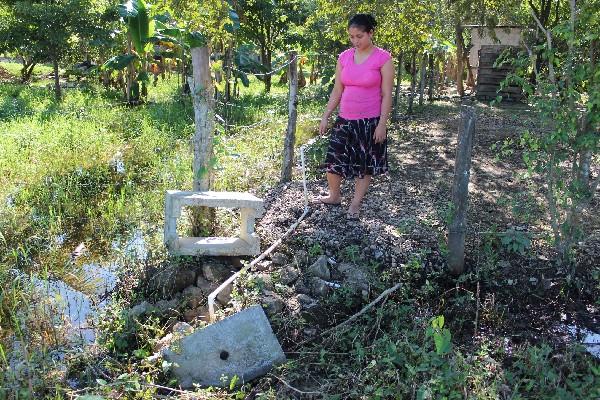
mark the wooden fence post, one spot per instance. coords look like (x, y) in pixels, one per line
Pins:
(422, 78)
(290, 134)
(413, 83)
(399, 71)
(204, 114)
(460, 191)
(431, 78)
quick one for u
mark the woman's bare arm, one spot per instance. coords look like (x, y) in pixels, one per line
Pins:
(334, 99)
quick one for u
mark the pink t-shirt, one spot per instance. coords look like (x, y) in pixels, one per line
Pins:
(361, 97)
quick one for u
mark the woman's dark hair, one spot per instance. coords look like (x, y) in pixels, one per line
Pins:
(366, 22)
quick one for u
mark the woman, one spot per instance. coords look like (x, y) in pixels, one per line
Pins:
(363, 88)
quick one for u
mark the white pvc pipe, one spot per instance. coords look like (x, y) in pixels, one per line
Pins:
(213, 295)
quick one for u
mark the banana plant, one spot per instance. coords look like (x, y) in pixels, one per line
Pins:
(140, 28)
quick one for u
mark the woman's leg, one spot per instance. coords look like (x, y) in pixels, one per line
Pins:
(335, 196)
(360, 189)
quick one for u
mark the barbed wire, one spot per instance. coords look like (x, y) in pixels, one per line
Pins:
(264, 73)
(224, 123)
(278, 68)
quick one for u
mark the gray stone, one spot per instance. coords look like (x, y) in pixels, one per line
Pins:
(261, 266)
(306, 301)
(172, 280)
(289, 275)
(320, 269)
(272, 303)
(242, 345)
(279, 259)
(216, 271)
(224, 295)
(183, 279)
(140, 309)
(200, 313)
(194, 296)
(163, 343)
(354, 277)
(167, 308)
(267, 281)
(205, 285)
(318, 287)
(300, 287)
(182, 328)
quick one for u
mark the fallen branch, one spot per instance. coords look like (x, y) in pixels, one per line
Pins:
(291, 387)
(366, 308)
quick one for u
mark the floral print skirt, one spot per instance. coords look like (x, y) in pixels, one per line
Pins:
(352, 151)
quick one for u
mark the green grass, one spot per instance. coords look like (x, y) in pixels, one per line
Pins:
(90, 169)
(94, 170)
(15, 69)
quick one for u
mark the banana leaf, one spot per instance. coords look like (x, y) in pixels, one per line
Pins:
(119, 62)
(137, 16)
(234, 25)
(195, 39)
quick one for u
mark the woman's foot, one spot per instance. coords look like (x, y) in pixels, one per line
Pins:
(353, 212)
(330, 200)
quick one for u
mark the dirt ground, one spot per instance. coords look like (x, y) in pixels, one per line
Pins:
(525, 297)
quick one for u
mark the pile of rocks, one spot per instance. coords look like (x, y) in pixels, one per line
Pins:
(300, 284)
(187, 288)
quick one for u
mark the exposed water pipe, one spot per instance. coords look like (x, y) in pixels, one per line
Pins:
(213, 295)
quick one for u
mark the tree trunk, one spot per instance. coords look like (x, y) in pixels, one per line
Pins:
(398, 85)
(290, 136)
(470, 76)
(57, 91)
(459, 60)
(313, 76)
(228, 70)
(204, 114)
(413, 82)
(235, 86)
(460, 191)
(266, 62)
(431, 79)
(129, 71)
(301, 77)
(27, 69)
(283, 78)
(422, 71)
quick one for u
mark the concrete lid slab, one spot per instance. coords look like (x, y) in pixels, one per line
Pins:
(242, 345)
(217, 199)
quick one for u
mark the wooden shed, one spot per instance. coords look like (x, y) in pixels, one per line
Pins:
(486, 46)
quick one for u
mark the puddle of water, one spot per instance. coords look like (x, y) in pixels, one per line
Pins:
(590, 340)
(135, 246)
(79, 308)
(60, 239)
(76, 308)
(117, 163)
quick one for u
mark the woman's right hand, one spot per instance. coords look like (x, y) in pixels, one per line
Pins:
(323, 125)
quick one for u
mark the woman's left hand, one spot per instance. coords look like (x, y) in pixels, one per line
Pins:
(380, 134)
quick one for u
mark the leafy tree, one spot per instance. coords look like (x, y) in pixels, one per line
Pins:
(267, 24)
(566, 97)
(46, 31)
